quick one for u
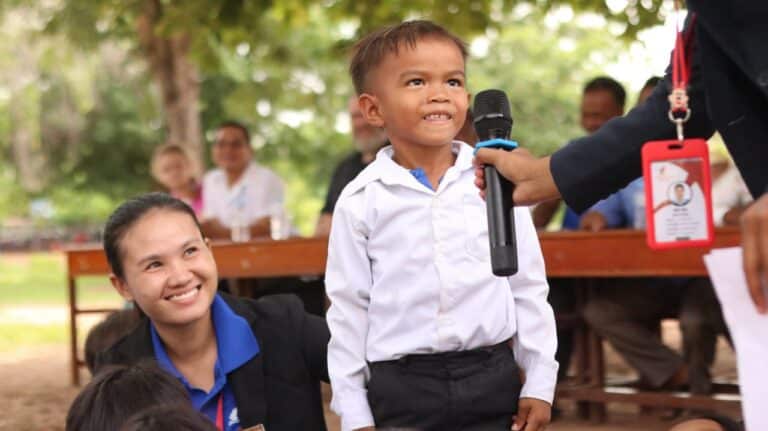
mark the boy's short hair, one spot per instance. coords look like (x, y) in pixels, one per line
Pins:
(102, 336)
(169, 417)
(370, 51)
(117, 393)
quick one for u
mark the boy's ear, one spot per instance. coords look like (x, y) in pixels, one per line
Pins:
(369, 107)
(120, 287)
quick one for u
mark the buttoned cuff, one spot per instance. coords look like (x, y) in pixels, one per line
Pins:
(354, 410)
(540, 382)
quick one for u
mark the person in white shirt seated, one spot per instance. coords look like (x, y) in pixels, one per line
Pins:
(239, 194)
(423, 335)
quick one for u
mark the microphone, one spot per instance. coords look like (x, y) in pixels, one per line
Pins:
(493, 124)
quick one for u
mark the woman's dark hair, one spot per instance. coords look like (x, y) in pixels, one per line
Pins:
(117, 393)
(129, 213)
(169, 417)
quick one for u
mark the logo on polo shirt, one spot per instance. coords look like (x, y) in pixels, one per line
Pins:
(233, 418)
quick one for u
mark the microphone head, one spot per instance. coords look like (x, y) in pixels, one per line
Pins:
(492, 117)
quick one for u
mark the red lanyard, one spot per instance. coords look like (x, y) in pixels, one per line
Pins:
(680, 67)
(220, 413)
(679, 112)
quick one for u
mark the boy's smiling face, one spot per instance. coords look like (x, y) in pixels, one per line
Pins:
(418, 95)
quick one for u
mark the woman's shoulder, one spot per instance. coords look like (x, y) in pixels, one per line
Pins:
(268, 310)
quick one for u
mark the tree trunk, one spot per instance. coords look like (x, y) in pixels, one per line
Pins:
(28, 157)
(177, 78)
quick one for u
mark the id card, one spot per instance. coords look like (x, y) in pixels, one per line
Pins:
(677, 194)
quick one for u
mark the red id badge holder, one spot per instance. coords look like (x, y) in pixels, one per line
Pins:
(678, 195)
(678, 199)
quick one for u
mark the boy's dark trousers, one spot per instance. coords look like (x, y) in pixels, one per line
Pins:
(473, 390)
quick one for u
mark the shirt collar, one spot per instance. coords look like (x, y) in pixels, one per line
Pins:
(391, 173)
(247, 172)
(235, 342)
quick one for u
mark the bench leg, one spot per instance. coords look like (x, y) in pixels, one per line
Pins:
(596, 365)
(74, 362)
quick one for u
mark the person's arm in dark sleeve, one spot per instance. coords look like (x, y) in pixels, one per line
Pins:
(334, 189)
(590, 168)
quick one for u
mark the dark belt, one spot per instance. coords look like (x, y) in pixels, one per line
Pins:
(455, 358)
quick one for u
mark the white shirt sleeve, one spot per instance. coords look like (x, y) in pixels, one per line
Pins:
(535, 340)
(208, 203)
(728, 191)
(276, 191)
(348, 283)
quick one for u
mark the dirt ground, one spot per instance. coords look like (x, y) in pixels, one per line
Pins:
(35, 392)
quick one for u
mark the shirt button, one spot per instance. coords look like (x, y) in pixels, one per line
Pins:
(762, 79)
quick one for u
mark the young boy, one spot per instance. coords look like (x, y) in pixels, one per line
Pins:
(422, 332)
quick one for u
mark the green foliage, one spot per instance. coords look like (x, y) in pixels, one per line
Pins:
(542, 69)
(280, 67)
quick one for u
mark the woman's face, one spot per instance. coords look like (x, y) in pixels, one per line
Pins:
(168, 268)
(173, 171)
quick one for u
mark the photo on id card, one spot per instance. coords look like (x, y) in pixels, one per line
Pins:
(680, 203)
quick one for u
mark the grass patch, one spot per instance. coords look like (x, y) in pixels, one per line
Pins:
(41, 279)
(17, 335)
(33, 300)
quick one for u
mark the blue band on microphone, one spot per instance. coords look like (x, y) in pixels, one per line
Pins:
(503, 144)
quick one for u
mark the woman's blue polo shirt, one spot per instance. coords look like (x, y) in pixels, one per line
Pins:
(235, 344)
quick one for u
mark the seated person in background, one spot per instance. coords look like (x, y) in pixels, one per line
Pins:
(467, 133)
(730, 196)
(602, 99)
(176, 172)
(170, 418)
(260, 362)
(627, 311)
(118, 392)
(105, 333)
(647, 89)
(239, 192)
(368, 140)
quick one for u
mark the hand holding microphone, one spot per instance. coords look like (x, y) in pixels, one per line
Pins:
(531, 176)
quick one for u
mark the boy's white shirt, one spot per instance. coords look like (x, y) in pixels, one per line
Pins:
(409, 272)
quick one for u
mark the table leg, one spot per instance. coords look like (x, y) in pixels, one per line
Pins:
(75, 367)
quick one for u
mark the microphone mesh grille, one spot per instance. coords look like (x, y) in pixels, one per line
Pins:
(491, 101)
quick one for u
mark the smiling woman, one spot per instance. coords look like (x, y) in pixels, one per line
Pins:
(237, 358)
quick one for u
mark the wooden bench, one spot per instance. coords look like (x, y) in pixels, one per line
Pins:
(618, 253)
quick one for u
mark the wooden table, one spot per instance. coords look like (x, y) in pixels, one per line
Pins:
(617, 253)
(623, 253)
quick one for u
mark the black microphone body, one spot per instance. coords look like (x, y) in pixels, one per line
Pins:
(494, 122)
